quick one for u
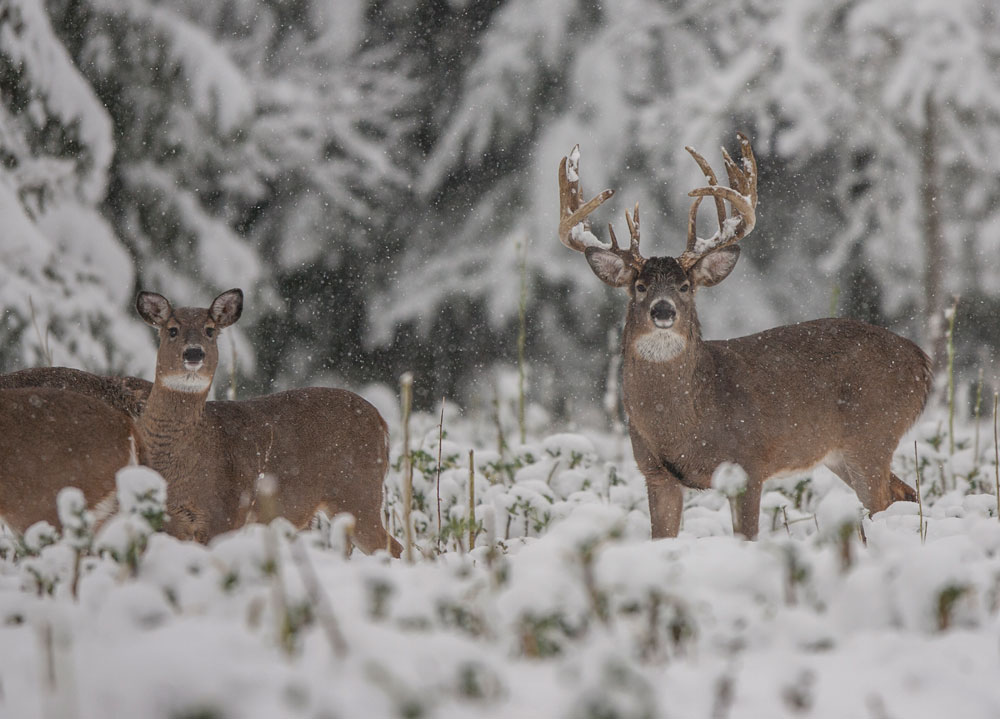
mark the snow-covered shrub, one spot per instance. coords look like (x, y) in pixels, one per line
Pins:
(77, 521)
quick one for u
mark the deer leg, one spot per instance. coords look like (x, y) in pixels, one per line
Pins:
(870, 479)
(747, 514)
(371, 536)
(665, 492)
(900, 490)
(666, 504)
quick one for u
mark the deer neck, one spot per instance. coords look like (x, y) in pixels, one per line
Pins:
(662, 393)
(170, 417)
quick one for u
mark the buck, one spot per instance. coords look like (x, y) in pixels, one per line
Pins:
(51, 438)
(328, 449)
(835, 392)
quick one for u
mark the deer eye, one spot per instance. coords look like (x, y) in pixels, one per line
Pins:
(172, 331)
(640, 288)
(210, 331)
(685, 287)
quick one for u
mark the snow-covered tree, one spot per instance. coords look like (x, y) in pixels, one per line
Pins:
(65, 279)
(540, 78)
(178, 105)
(883, 110)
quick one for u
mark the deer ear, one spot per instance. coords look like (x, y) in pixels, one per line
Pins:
(609, 267)
(154, 309)
(227, 308)
(714, 267)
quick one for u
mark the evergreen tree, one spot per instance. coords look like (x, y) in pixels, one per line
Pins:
(65, 279)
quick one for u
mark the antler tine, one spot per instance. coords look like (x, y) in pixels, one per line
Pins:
(706, 169)
(741, 195)
(749, 166)
(633, 229)
(572, 210)
(692, 238)
(630, 254)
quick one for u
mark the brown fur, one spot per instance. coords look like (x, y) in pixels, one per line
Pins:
(325, 447)
(316, 462)
(780, 401)
(52, 438)
(127, 394)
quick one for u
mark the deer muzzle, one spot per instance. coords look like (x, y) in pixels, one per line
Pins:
(193, 357)
(663, 313)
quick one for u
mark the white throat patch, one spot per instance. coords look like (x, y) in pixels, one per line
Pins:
(186, 382)
(660, 345)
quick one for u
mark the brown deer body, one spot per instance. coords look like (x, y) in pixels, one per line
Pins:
(51, 438)
(313, 440)
(327, 448)
(831, 391)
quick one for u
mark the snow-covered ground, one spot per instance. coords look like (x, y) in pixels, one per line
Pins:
(564, 608)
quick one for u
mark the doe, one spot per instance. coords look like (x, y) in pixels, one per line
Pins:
(327, 448)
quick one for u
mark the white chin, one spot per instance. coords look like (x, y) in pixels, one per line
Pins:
(188, 382)
(659, 345)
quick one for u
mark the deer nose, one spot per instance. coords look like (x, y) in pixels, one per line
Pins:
(194, 355)
(663, 313)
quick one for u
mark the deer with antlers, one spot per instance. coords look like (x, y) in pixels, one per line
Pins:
(832, 391)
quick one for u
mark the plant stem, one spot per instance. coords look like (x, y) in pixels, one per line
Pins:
(472, 499)
(437, 482)
(977, 412)
(406, 392)
(319, 599)
(996, 452)
(231, 391)
(950, 349)
(43, 342)
(522, 335)
(501, 441)
(920, 502)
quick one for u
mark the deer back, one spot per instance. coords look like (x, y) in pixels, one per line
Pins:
(326, 448)
(127, 394)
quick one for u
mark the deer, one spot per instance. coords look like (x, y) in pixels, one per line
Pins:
(127, 394)
(327, 448)
(297, 436)
(51, 438)
(833, 392)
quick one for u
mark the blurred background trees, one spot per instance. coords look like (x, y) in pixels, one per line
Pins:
(373, 173)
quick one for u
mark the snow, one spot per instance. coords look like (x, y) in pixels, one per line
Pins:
(730, 479)
(573, 165)
(572, 615)
(31, 44)
(581, 235)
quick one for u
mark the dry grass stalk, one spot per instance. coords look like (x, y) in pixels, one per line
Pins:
(406, 390)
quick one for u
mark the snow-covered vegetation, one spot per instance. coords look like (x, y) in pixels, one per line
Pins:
(563, 607)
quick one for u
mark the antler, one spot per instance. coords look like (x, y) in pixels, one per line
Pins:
(741, 195)
(574, 227)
